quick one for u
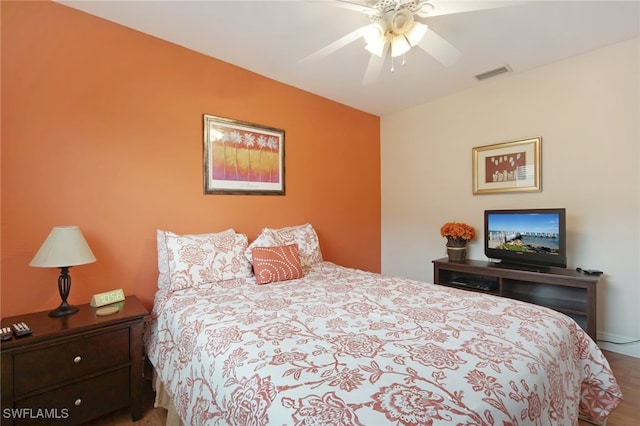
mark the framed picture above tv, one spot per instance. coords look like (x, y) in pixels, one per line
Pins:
(242, 158)
(508, 167)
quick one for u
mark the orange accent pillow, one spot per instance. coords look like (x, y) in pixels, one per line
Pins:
(279, 263)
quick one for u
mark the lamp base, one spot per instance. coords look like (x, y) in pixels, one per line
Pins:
(64, 311)
(64, 286)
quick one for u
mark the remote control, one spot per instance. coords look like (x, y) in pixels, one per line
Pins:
(7, 333)
(589, 271)
(21, 329)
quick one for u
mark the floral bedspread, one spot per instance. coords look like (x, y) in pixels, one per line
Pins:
(346, 347)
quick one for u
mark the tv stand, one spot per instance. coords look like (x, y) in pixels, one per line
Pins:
(564, 290)
(520, 267)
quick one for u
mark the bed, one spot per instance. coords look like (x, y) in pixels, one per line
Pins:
(269, 333)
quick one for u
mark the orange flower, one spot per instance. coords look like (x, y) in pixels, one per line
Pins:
(458, 232)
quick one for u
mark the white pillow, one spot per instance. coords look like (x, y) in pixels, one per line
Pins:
(163, 260)
(303, 235)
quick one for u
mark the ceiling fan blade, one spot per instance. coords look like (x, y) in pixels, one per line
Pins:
(336, 45)
(446, 7)
(362, 8)
(374, 67)
(443, 51)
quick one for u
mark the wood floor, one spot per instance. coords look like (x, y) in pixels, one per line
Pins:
(625, 368)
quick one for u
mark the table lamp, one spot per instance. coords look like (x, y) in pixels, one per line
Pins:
(64, 247)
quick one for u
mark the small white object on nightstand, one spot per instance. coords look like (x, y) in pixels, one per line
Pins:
(107, 310)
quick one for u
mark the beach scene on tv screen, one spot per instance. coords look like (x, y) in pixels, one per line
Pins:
(526, 232)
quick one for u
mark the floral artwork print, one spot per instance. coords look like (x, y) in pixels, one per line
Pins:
(508, 167)
(242, 157)
(347, 347)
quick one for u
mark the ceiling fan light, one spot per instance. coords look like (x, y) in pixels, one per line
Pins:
(377, 47)
(417, 33)
(373, 33)
(399, 46)
(374, 37)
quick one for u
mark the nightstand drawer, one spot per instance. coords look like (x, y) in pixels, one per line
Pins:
(78, 402)
(53, 365)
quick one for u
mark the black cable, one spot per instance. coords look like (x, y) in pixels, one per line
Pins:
(619, 343)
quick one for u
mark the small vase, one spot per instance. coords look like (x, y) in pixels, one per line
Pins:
(457, 254)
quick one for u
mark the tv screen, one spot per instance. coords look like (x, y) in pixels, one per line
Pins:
(526, 236)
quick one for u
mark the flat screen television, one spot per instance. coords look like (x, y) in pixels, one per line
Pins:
(535, 237)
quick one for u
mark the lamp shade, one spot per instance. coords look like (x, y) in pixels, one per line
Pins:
(373, 33)
(65, 246)
(417, 33)
(377, 47)
(399, 46)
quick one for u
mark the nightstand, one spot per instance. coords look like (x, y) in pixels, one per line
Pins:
(75, 368)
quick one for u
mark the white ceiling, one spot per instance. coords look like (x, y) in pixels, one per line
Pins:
(271, 37)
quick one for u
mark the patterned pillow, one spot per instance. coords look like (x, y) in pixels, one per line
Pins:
(164, 281)
(303, 235)
(200, 259)
(279, 263)
(265, 239)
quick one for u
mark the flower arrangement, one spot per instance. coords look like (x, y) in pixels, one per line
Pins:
(457, 234)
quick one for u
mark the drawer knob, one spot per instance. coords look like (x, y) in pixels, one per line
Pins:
(78, 402)
(77, 359)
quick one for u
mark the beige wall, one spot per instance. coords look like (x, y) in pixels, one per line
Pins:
(586, 109)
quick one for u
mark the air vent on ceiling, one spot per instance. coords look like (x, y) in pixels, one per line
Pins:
(493, 73)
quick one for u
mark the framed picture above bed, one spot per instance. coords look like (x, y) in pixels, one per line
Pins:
(507, 167)
(242, 158)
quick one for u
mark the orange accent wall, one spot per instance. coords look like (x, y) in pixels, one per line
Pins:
(102, 128)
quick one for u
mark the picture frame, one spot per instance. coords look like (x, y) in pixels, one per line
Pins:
(242, 158)
(508, 167)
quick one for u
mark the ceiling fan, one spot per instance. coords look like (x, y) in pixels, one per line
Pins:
(396, 26)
